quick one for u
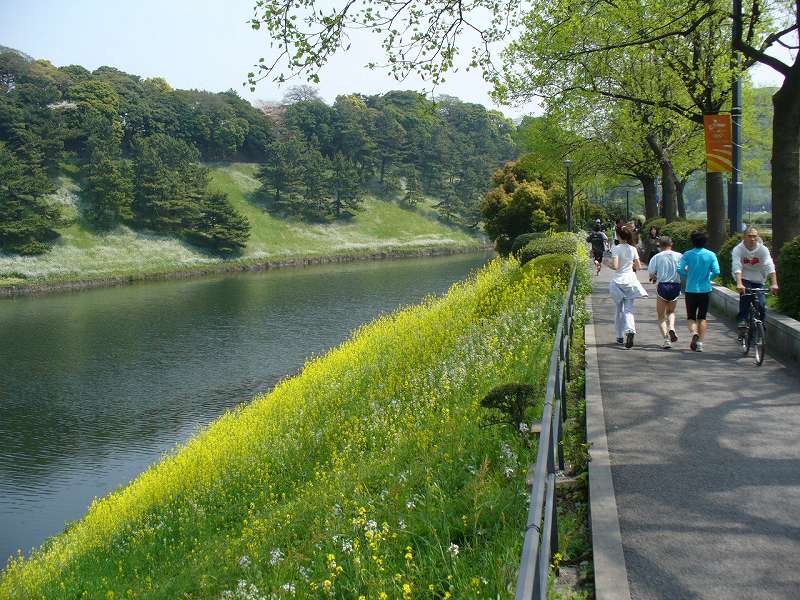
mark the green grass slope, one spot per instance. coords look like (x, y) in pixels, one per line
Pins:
(375, 473)
(82, 253)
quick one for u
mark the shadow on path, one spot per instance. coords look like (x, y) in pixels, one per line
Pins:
(705, 459)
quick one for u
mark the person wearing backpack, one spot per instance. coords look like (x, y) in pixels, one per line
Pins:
(599, 242)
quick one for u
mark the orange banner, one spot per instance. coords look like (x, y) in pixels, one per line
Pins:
(718, 143)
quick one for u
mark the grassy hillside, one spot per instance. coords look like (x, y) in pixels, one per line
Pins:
(82, 253)
(372, 474)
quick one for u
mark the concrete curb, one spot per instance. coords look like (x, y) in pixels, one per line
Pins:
(610, 572)
(783, 337)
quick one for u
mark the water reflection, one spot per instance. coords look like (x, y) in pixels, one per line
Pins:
(96, 386)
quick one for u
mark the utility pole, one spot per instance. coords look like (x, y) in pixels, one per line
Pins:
(735, 189)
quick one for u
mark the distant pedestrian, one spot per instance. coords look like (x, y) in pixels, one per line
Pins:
(599, 242)
(751, 264)
(698, 266)
(650, 242)
(617, 226)
(663, 269)
(625, 287)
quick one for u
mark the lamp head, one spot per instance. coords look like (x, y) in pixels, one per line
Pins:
(568, 163)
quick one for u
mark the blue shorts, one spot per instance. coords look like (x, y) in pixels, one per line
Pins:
(668, 291)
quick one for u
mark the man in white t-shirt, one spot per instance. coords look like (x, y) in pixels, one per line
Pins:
(663, 270)
(751, 264)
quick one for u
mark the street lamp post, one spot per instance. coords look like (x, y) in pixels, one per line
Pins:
(627, 206)
(568, 164)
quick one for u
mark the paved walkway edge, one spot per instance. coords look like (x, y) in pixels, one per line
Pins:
(610, 573)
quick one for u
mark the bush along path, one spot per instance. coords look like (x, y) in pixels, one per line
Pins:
(374, 473)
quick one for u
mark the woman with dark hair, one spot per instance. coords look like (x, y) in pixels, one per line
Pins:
(650, 243)
(625, 287)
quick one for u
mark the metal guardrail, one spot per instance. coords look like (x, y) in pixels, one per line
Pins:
(541, 534)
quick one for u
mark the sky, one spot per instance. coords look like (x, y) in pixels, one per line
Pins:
(202, 44)
(208, 45)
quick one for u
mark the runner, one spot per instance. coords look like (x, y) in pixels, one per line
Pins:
(599, 242)
(699, 266)
(663, 269)
(625, 287)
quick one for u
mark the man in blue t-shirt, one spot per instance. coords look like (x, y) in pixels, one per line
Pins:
(698, 267)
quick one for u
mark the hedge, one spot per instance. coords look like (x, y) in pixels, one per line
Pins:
(522, 240)
(552, 265)
(561, 243)
(789, 278)
(680, 232)
(658, 222)
(724, 255)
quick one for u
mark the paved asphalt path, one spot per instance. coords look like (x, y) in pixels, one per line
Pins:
(705, 455)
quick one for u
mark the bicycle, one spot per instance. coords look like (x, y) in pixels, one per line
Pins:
(755, 334)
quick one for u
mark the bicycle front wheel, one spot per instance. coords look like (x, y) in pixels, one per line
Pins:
(758, 341)
(744, 343)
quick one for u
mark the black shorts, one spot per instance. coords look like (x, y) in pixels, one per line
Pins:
(668, 291)
(697, 305)
(598, 255)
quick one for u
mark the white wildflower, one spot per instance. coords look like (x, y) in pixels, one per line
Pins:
(288, 588)
(244, 562)
(453, 549)
(523, 428)
(410, 505)
(276, 556)
(508, 472)
(401, 524)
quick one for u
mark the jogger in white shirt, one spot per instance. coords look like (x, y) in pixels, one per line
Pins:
(625, 287)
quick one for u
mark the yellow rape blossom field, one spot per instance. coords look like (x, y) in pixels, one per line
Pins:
(371, 474)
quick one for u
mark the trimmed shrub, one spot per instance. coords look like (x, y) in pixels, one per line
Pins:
(522, 240)
(724, 255)
(659, 222)
(680, 232)
(789, 278)
(552, 265)
(561, 243)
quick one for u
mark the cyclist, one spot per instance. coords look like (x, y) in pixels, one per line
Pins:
(751, 264)
(663, 270)
(699, 266)
(599, 242)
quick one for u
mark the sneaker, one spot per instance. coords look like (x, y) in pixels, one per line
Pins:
(698, 347)
(620, 341)
(693, 343)
(629, 339)
(673, 337)
(667, 344)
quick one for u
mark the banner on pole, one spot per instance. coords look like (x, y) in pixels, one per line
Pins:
(719, 152)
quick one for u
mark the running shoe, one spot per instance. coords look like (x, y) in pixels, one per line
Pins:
(693, 343)
(673, 337)
(620, 341)
(667, 344)
(698, 347)
(629, 339)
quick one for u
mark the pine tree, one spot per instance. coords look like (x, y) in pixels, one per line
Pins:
(220, 226)
(345, 186)
(27, 220)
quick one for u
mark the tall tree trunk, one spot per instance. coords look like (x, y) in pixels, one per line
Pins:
(667, 178)
(650, 201)
(786, 161)
(680, 184)
(668, 192)
(715, 211)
